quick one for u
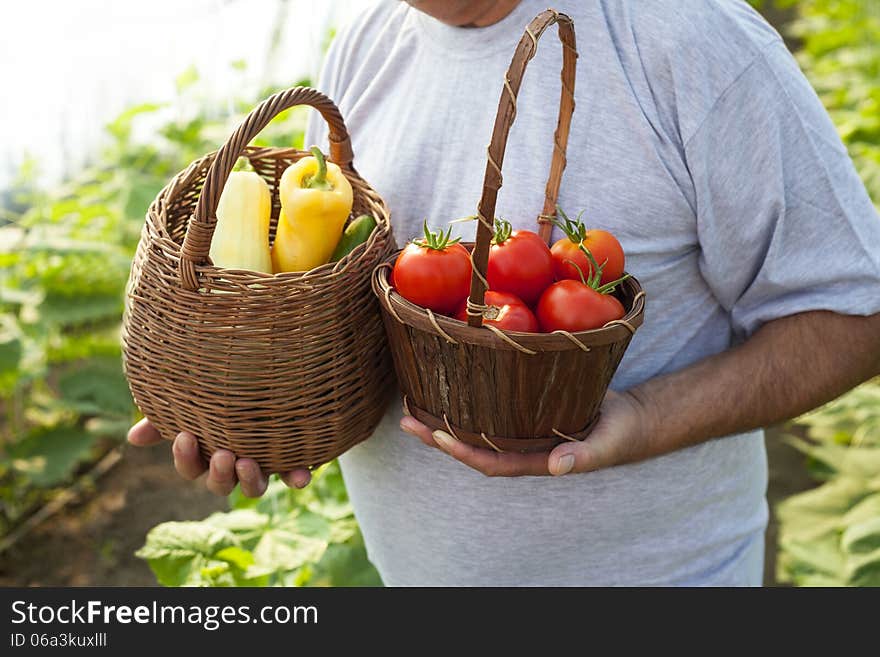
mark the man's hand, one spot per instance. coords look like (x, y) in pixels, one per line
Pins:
(622, 435)
(224, 471)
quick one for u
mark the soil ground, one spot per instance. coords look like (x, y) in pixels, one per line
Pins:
(92, 543)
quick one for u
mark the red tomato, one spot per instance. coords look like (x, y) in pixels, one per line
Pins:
(605, 248)
(572, 306)
(433, 273)
(519, 263)
(512, 313)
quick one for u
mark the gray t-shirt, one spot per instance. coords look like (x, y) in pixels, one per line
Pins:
(698, 142)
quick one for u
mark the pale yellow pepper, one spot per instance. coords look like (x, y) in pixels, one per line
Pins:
(316, 200)
(241, 237)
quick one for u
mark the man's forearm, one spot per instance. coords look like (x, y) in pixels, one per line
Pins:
(789, 366)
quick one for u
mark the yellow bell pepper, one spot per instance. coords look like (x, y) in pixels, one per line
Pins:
(316, 200)
(241, 236)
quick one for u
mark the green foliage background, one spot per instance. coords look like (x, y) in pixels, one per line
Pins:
(830, 536)
(840, 53)
(285, 538)
(64, 260)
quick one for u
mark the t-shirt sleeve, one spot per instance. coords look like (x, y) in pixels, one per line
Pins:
(784, 223)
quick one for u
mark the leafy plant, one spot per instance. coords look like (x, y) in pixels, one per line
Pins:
(840, 54)
(831, 535)
(285, 538)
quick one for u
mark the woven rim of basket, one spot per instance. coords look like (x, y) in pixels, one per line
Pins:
(158, 211)
(453, 330)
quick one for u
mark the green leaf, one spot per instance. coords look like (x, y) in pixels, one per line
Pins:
(98, 383)
(866, 509)
(326, 495)
(48, 456)
(282, 548)
(184, 553)
(108, 427)
(120, 127)
(186, 79)
(86, 342)
(853, 418)
(277, 500)
(67, 310)
(140, 195)
(309, 524)
(818, 580)
(11, 352)
(247, 524)
(343, 530)
(807, 558)
(185, 538)
(345, 564)
(864, 569)
(854, 461)
(239, 521)
(236, 556)
(862, 537)
(812, 514)
(292, 542)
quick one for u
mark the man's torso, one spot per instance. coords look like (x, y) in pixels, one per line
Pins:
(419, 99)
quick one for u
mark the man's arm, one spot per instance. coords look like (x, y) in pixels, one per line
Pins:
(787, 367)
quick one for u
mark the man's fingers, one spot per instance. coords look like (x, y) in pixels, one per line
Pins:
(618, 438)
(417, 429)
(144, 434)
(253, 481)
(221, 473)
(297, 478)
(490, 462)
(596, 451)
(187, 459)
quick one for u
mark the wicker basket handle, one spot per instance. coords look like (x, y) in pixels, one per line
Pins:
(492, 180)
(197, 242)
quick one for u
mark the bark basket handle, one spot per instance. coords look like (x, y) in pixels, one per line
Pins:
(200, 230)
(492, 180)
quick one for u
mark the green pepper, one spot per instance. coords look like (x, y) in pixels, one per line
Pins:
(356, 233)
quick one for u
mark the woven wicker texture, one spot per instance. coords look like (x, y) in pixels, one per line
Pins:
(288, 369)
(503, 390)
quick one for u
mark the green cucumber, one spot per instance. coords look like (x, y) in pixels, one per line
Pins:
(357, 232)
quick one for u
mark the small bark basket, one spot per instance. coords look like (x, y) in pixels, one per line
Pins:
(507, 391)
(288, 369)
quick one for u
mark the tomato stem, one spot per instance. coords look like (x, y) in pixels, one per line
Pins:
(503, 229)
(436, 241)
(579, 270)
(594, 281)
(609, 287)
(596, 268)
(574, 229)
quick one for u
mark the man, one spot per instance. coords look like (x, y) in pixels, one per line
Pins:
(697, 141)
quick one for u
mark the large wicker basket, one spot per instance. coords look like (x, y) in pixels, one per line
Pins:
(289, 369)
(503, 390)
